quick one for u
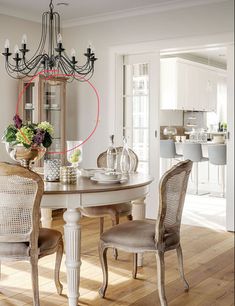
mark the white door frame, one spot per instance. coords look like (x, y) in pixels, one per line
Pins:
(177, 45)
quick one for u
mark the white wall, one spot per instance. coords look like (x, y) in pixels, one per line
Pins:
(13, 29)
(188, 22)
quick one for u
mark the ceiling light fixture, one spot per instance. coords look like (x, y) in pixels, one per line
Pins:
(54, 59)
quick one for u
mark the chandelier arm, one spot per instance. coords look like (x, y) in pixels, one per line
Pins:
(30, 66)
(85, 71)
(63, 59)
(89, 76)
(68, 71)
(86, 67)
(78, 67)
(24, 67)
(33, 64)
(63, 68)
(10, 71)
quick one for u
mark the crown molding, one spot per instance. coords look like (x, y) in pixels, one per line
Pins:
(20, 14)
(144, 10)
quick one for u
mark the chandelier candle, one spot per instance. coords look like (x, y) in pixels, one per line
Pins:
(55, 58)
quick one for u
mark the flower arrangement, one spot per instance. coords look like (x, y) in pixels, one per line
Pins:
(30, 135)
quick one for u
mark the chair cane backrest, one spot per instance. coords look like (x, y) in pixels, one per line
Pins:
(20, 195)
(173, 187)
(102, 159)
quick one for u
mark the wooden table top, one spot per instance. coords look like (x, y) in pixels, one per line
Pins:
(85, 185)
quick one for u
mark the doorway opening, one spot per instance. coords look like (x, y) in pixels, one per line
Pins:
(193, 109)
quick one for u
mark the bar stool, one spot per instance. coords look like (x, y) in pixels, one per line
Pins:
(193, 152)
(217, 154)
(168, 151)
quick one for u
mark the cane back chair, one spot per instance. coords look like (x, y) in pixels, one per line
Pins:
(21, 238)
(145, 235)
(117, 210)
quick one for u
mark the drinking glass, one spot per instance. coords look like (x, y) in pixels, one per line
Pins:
(74, 152)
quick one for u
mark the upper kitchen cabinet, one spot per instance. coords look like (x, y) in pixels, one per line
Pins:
(187, 85)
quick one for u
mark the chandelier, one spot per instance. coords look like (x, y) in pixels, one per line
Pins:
(55, 59)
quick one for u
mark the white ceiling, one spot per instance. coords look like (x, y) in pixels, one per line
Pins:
(86, 11)
(76, 8)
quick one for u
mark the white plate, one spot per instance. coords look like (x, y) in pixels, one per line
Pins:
(90, 172)
(115, 181)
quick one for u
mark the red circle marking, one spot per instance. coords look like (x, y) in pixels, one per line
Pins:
(57, 74)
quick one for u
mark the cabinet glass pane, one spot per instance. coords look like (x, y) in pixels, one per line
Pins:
(28, 102)
(52, 96)
(55, 147)
(51, 108)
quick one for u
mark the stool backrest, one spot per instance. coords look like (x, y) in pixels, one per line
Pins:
(217, 154)
(167, 148)
(192, 151)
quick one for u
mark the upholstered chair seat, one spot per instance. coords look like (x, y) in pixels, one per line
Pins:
(158, 237)
(48, 240)
(138, 236)
(121, 209)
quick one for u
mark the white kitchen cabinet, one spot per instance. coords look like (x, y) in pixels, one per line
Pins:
(168, 84)
(187, 85)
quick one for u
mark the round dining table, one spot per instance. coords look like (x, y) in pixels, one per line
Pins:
(87, 193)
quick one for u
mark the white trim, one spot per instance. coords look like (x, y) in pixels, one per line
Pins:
(230, 144)
(37, 18)
(143, 10)
(176, 45)
(139, 11)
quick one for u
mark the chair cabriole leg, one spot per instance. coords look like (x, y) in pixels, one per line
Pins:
(181, 267)
(104, 266)
(115, 221)
(134, 272)
(161, 277)
(101, 225)
(34, 276)
(59, 255)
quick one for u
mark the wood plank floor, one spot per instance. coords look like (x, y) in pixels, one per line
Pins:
(209, 268)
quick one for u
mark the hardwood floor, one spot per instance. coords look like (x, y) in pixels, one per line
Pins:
(208, 261)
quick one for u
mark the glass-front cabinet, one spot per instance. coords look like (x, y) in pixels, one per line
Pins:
(44, 100)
